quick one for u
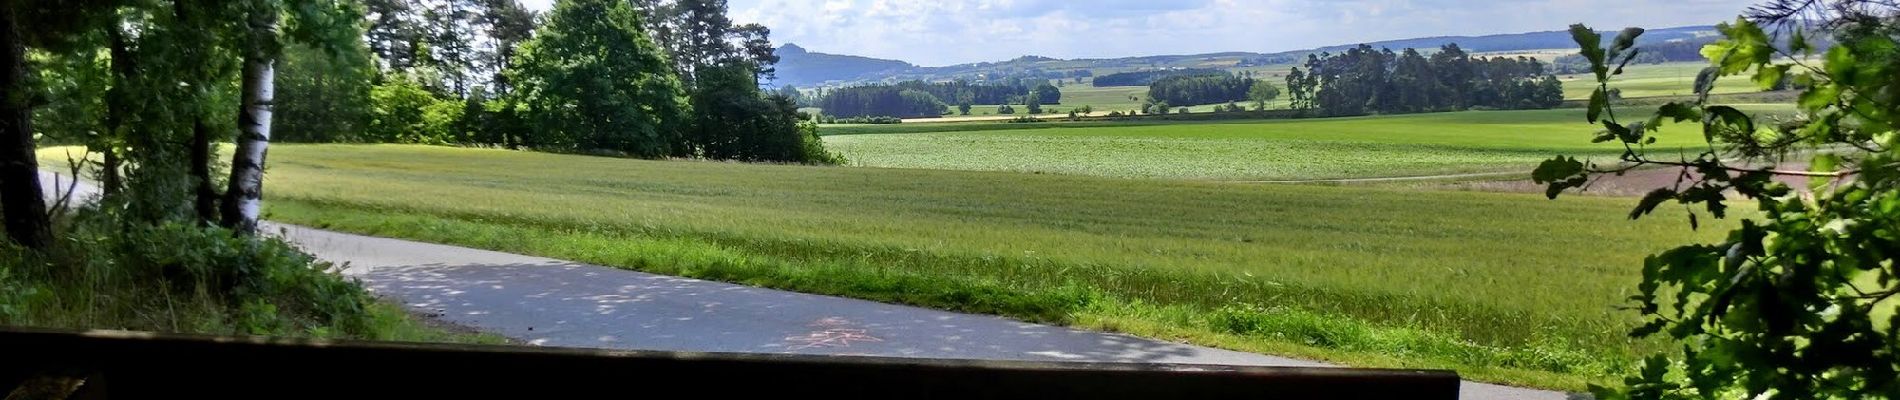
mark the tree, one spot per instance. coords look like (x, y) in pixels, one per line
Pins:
(244, 196)
(593, 81)
(881, 101)
(736, 123)
(1798, 301)
(46, 26)
(1034, 103)
(508, 24)
(963, 108)
(1262, 93)
(1200, 89)
(1047, 94)
(323, 98)
(25, 208)
(450, 31)
(395, 31)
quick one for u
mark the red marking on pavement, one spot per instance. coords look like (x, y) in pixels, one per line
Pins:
(833, 335)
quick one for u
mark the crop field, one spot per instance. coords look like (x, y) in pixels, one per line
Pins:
(1646, 80)
(1504, 287)
(1361, 147)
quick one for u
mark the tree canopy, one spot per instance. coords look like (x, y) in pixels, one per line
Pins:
(1798, 302)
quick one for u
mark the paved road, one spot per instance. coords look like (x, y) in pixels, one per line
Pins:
(559, 303)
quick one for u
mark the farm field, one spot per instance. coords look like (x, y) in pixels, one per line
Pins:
(1359, 147)
(1362, 276)
(1108, 99)
(1651, 80)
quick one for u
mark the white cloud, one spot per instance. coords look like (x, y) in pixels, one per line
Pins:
(942, 32)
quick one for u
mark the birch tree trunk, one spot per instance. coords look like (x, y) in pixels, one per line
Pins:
(244, 197)
(22, 204)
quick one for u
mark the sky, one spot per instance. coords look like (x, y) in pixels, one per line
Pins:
(945, 32)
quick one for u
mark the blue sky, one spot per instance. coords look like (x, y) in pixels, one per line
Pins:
(943, 32)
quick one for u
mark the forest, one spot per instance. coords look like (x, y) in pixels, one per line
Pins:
(911, 99)
(1363, 80)
(1188, 90)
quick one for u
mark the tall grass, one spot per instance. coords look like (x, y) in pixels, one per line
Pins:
(1504, 287)
(174, 277)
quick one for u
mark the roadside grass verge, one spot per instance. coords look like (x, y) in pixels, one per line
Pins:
(1478, 282)
(101, 273)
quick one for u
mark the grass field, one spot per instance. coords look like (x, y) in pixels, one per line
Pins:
(1503, 287)
(1650, 80)
(1378, 146)
(1104, 100)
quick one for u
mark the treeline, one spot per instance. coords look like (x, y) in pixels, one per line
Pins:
(914, 99)
(1363, 80)
(975, 93)
(1189, 90)
(1674, 51)
(678, 78)
(1144, 78)
(881, 101)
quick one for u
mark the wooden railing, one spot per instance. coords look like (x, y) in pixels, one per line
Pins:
(113, 364)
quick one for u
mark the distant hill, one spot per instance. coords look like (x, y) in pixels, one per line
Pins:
(800, 67)
(1526, 41)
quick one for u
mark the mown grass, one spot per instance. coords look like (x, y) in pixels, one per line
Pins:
(1359, 147)
(1503, 287)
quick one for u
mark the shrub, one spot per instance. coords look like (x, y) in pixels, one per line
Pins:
(105, 272)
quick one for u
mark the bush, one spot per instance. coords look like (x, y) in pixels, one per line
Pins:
(107, 273)
(402, 111)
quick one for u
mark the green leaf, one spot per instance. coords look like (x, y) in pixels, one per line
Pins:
(1651, 201)
(1625, 40)
(1767, 77)
(1675, 113)
(1705, 82)
(1626, 61)
(1731, 117)
(1599, 101)
(1560, 174)
(1798, 43)
(1591, 44)
(1824, 162)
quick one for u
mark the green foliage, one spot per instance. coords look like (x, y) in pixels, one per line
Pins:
(1262, 93)
(1161, 254)
(733, 122)
(108, 272)
(593, 81)
(1797, 303)
(1189, 90)
(323, 97)
(72, 90)
(1364, 80)
(402, 111)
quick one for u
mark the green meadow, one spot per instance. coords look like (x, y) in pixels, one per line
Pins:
(1361, 147)
(1506, 288)
(1655, 80)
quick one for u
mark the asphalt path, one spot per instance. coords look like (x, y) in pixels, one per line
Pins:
(549, 302)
